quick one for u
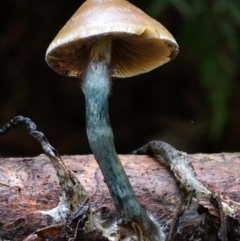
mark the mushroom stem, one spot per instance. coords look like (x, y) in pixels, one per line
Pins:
(96, 87)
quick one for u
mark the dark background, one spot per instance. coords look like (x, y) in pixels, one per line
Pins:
(192, 102)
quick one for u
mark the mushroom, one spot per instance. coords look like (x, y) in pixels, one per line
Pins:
(103, 39)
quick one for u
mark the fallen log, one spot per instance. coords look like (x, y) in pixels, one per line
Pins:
(30, 185)
(186, 197)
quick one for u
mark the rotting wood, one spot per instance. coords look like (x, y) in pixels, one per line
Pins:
(30, 185)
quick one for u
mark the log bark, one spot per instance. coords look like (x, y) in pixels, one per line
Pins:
(30, 185)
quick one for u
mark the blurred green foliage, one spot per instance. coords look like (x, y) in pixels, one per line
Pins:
(211, 31)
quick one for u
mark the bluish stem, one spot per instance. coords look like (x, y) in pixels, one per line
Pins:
(96, 87)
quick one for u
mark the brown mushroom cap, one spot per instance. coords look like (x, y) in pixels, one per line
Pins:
(139, 43)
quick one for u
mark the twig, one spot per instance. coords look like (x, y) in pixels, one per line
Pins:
(3, 184)
(194, 193)
(73, 193)
(179, 165)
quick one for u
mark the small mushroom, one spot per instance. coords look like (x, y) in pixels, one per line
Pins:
(103, 39)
